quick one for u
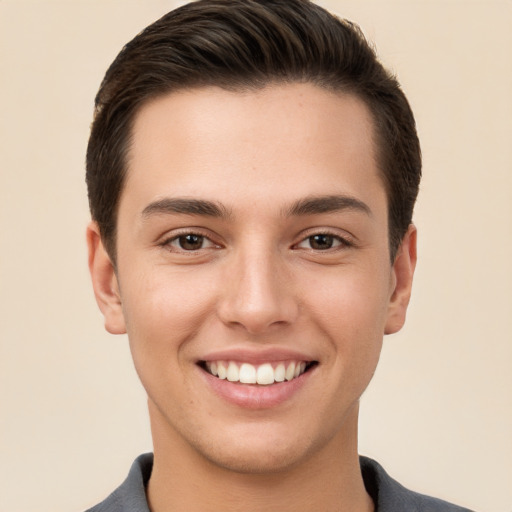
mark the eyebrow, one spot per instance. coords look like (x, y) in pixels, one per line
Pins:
(185, 206)
(315, 205)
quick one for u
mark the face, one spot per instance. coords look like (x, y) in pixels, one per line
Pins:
(253, 275)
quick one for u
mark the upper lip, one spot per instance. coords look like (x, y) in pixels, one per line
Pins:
(263, 355)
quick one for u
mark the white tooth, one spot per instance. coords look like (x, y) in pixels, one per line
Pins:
(247, 374)
(302, 367)
(213, 368)
(297, 370)
(265, 374)
(290, 371)
(221, 370)
(279, 372)
(233, 373)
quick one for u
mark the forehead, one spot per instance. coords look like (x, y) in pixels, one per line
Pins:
(278, 142)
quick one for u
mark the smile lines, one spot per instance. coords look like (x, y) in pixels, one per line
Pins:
(263, 374)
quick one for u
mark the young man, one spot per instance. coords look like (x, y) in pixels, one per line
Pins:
(252, 171)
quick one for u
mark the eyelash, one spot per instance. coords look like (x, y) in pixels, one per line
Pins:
(168, 243)
(339, 242)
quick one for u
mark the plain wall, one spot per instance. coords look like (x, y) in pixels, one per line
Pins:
(438, 413)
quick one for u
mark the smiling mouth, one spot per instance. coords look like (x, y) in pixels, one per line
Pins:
(263, 374)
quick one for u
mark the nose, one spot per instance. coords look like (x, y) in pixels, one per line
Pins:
(258, 293)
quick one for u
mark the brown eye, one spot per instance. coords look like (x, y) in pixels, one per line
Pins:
(321, 242)
(190, 242)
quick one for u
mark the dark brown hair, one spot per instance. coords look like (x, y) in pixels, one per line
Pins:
(247, 44)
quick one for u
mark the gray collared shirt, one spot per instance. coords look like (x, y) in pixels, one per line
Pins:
(387, 494)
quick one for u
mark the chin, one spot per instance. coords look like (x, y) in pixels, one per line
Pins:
(261, 448)
(261, 460)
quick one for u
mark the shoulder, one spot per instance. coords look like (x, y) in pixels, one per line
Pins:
(130, 496)
(391, 496)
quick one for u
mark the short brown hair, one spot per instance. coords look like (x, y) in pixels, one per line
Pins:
(247, 44)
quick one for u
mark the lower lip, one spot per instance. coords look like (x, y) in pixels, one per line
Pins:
(252, 396)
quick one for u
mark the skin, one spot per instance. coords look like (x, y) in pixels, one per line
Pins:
(257, 281)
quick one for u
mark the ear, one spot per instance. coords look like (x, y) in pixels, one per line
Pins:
(104, 282)
(402, 275)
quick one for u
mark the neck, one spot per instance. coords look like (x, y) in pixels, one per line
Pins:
(183, 479)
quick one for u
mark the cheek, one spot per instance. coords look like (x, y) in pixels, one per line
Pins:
(351, 309)
(163, 310)
(356, 298)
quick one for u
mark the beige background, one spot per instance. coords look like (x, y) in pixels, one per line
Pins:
(438, 414)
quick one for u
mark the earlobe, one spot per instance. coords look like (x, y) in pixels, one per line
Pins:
(403, 272)
(104, 282)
